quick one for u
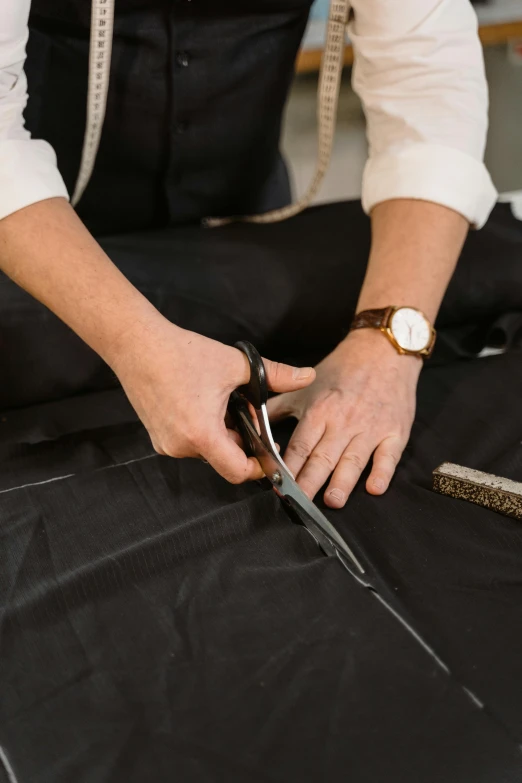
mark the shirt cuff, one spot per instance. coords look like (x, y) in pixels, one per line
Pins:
(431, 172)
(28, 173)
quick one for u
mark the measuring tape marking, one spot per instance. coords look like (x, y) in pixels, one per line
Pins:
(100, 51)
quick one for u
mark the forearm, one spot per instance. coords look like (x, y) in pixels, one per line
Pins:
(415, 248)
(47, 250)
(362, 404)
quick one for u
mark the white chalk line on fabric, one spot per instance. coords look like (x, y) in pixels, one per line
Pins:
(430, 651)
(11, 777)
(70, 475)
(418, 638)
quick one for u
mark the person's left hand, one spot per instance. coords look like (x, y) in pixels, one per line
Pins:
(361, 403)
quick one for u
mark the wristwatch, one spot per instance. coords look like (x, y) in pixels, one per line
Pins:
(407, 328)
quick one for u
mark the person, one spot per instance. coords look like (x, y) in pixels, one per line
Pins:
(192, 129)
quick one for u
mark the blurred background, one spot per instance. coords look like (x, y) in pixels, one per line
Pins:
(501, 33)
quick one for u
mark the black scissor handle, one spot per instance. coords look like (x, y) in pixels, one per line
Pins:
(256, 390)
(238, 410)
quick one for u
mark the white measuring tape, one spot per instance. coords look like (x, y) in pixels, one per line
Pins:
(327, 102)
(102, 22)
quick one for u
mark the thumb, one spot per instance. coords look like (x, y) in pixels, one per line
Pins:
(284, 378)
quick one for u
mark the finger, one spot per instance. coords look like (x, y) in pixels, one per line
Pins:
(236, 437)
(320, 464)
(353, 460)
(258, 470)
(228, 459)
(280, 407)
(305, 437)
(284, 378)
(385, 460)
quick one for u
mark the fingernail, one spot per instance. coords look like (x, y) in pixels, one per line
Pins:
(378, 484)
(336, 494)
(301, 373)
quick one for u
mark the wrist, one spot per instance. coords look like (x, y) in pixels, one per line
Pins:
(371, 345)
(386, 299)
(139, 336)
(407, 329)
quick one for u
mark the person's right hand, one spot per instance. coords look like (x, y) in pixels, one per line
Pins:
(179, 383)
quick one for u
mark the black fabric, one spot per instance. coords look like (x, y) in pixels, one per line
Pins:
(194, 108)
(280, 286)
(160, 624)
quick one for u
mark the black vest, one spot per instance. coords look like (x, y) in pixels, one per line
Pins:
(194, 109)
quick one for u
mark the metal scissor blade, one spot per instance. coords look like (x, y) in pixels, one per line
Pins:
(284, 483)
(292, 491)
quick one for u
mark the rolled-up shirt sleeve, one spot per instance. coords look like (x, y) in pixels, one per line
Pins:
(419, 71)
(28, 170)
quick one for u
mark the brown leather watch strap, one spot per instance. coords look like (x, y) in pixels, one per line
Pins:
(373, 319)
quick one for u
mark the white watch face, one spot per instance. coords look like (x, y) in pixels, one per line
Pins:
(410, 329)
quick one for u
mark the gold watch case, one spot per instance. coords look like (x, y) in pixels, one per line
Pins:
(386, 330)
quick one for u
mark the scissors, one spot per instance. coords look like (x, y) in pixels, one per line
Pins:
(261, 445)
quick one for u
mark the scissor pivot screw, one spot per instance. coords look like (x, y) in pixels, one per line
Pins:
(277, 478)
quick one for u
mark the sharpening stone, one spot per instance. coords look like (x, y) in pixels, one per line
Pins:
(484, 489)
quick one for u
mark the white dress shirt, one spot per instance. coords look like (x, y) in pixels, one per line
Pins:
(420, 74)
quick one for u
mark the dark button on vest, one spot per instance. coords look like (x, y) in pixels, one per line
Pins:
(194, 107)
